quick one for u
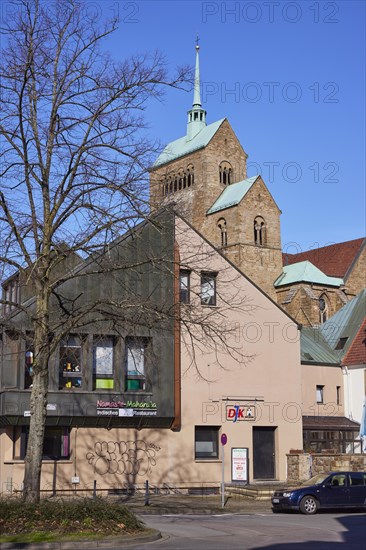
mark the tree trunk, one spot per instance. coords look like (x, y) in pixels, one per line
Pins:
(38, 402)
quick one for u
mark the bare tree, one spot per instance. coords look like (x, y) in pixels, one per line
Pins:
(74, 166)
(74, 160)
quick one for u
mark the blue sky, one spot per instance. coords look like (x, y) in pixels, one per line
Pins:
(289, 76)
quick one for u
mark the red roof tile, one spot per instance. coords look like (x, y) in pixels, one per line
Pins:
(356, 354)
(334, 260)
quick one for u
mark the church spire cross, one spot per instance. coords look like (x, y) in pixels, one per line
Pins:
(196, 115)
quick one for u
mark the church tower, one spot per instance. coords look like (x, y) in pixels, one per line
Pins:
(204, 174)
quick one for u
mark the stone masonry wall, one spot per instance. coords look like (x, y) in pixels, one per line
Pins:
(302, 466)
(262, 264)
(193, 202)
(356, 281)
(305, 309)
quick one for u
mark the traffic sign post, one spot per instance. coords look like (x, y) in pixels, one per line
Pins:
(223, 443)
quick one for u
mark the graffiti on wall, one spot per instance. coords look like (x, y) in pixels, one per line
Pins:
(130, 458)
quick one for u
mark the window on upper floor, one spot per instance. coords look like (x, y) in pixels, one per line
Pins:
(11, 294)
(225, 173)
(221, 224)
(184, 286)
(28, 367)
(208, 288)
(137, 349)
(259, 231)
(103, 368)
(179, 181)
(320, 394)
(70, 369)
(190, 175)
(323, 308)
(338, 394)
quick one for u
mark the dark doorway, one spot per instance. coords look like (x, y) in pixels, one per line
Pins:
(263, 453)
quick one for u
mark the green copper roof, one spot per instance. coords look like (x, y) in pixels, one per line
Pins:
(182, 146)
(315, 349)
(232, 195)
(345, 323)
(305, 272)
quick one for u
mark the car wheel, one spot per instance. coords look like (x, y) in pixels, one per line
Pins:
(309, 505)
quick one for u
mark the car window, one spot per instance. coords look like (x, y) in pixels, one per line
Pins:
(314, 480)
(356, 478)
(338, 480)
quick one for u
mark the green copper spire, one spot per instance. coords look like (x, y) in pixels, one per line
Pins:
(196, 115)
(197, 93)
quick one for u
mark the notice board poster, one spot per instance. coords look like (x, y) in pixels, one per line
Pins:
(239, 464)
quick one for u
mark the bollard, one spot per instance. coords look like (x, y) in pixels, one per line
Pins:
(95, 489)
(147, 492)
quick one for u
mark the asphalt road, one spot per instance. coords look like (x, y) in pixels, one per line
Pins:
(266, 531)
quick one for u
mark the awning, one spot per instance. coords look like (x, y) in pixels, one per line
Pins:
(329, 423)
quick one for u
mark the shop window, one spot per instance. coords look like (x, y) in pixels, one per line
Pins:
(259, 231)
(221, 224)
(184, 286)
(136, 355)
(323, 308)
(208, 289)
(70, 363)
(320, 394)
(103, 372)
(206, 442)
(56, 443)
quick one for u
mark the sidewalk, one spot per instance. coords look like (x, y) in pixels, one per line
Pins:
(188, 504)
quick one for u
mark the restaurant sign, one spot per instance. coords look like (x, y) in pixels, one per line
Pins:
(126, 408)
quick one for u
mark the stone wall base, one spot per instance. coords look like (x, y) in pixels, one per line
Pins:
(302, 466)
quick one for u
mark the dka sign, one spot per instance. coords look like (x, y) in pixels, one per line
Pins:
(236, 413)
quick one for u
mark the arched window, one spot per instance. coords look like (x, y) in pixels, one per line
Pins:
(190, 175)
(180, 180)
(221, 224)
(225, 173)
(259, 231)
(323, 308)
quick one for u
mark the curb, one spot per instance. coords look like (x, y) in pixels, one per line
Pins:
(126, 540)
